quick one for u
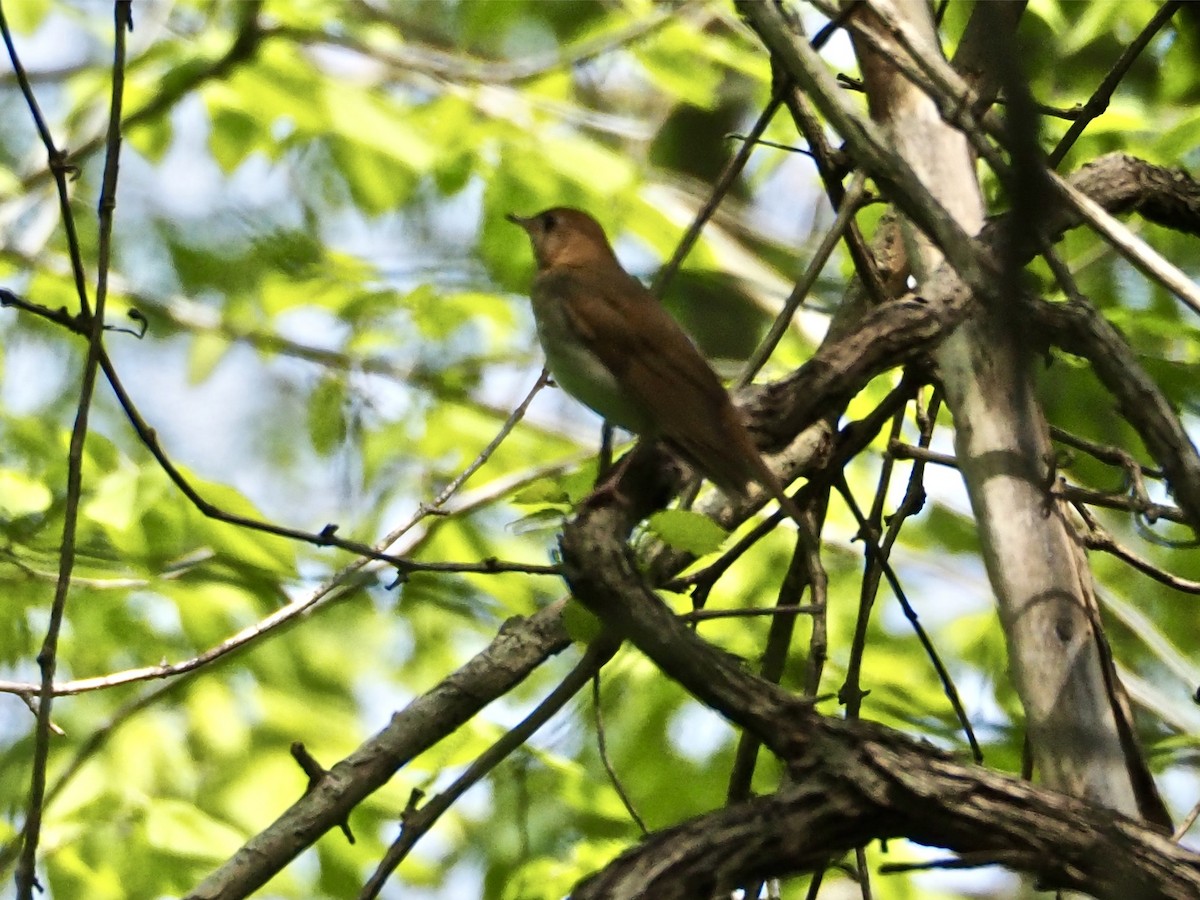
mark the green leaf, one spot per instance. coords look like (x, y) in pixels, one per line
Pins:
(542, 492)
(206, 351)
(670, 62)
(375, 182)
(580, 623)
(327, 415)
(688, 531)
(562, 490)
(114, 502)
(152, 139)
(21, 495)
(371, 122)
(181, 828)
(25, 17)
(233, 136)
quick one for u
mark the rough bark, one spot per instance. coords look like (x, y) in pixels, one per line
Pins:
(886, 337)
(517, 650)
(1077, 719)
(853, 782)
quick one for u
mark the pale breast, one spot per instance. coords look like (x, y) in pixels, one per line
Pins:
(580, 372)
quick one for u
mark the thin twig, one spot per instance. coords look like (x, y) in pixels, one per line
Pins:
(416, 822)
(1188, 821)
(966, 861)
(1070, 492)
(1105, 453)
(955, 100)
(864, 873)
(325, 538)
(1098, 102)
(850, 207)
(460, 69)
(707, 615)
(57, 166)
(939, 667)
(1100, 539)
(1141, 255)
(818, 590)
(799, 577)
(806, 568)
(774, 145)
(703, 581)
(26, 875)
(851, 693)
(830, 170)
(336, 588)
(602, 749)
(245, 44)
(926, 68)
(518, 413)
(804, 571)
(721, 187)
(90, 747)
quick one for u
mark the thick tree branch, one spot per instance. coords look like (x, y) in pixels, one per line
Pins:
(854, 782)
(891, 334)
(519, 648)
(859, 783)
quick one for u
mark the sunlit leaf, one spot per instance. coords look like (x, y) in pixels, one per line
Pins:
(687, 530)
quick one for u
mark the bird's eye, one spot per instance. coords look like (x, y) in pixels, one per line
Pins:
(549, 221)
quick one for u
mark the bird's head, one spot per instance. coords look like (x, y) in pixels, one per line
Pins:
(565, 237)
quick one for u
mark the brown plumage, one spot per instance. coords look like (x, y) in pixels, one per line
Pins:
(612, 345)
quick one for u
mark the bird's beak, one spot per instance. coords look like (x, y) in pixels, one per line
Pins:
(524, 221)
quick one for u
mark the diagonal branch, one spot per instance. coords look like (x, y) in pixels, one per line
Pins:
(861, 783)
(852, 782)
(521, 646)
(1098, 102)
(896, 332)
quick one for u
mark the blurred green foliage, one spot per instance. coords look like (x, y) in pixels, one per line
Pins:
(311, 218)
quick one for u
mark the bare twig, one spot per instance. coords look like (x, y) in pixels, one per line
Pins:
(1149, 261)
(851, 204)
(327, 537)
(720, 188)
(1098, 102)
(863, 873)
(243, 47)
(830, 169)
(316, 774)
(416, 822)
(1188, 821)
(935, 659)
(1099, 538)
(602, 749)
(57, 166)
(955, 99)
(1106, 453)
(340, 586)
(520, 646)
(462, 69)
(851, 692)
(518, 413)
(1071, 492)
(26, 875)
(707, 615)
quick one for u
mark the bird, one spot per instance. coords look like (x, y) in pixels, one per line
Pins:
(613, 346)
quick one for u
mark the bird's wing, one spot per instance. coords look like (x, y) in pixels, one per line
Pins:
(659, 368)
